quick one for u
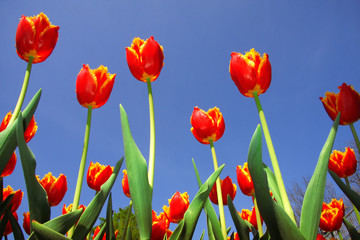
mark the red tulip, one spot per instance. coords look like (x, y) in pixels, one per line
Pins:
(54, 187)
(36, 37)
(29, 131)
(244, 180)
(178, 205)
(207, 126)
(347, 102)
(320, 237)
(250, 72)
(16, 201)
(10, 166)
(332, 215)
(97, 175)
(343, 163)
(93, 86)
(68, 209)
(26, 222)
(236, 237)
(250, 216)
(145, 59)
(227, 188)
(125, 184)
(160, 226)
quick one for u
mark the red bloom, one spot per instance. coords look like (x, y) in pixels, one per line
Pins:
(30, 130)
(54, 187)
(16, 201)
(97, 175)
(160, 226)
(332, 215)
(10, 166)
(178, 205)
(93, 87)
(236, 237)
(227, 188)
(97, 230)
(347, 101)
(250, 217)
(125, 184)
(26, 222)
(320, 237)
(244, 180)
(250, 72)
(343, 163)
(145, 59)
(207, 126)
(36, 37)
(68, 209)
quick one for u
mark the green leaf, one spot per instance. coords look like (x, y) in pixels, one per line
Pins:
(278, 223)
(101, 233)
(354, 234)
(109, 221)
(138, 180)
(8, 140)
(314, 195)
(186, 228)
(211, 235)
(17, 232)
(209, 211)
(241, 226)
(44, 233)
(6, 204)
(351, 194)
(38, 204)
(92, 211)
(3, 223)
(273, 184)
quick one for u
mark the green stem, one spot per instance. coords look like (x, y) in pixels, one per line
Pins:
(258, 218)
(340, 235)
(82, 166)
(23, 91)
(219, 194)
(152, 137)
(356, 138)
(274, 161)
(355, 209)
(127, 221)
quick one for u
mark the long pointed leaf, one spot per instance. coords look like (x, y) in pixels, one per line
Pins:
(241, 227)
(44, 233)
(314, 195)
(278, 223)
(354, 234)
(273, 184)
(92, 211)
(17, 232)
(109, 221)
(186, 228)
(138, 180)
(37, 197)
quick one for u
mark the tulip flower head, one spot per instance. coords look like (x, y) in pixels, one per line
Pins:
(347, 102)
(29, 131)
(55, 188)
(16, 201)
(250, 72)
(67, 209)
(36, 37)
(227, 188)
(160, 226)
(343, 163)
(10, 166)
(178, 205)
(250, 216)
(125, 184)
(320, 237)
(93, 86)
(97, 175)
(207, 126)
(244, 180)
(332, 215)
(26, 222)
(145, 59)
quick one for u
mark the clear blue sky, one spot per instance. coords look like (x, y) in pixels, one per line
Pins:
(313, 48)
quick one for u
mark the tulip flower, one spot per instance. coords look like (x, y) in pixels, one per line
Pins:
(97, 230)
(250, 72)
(160, 226)
(178, 205)
(93, 86)
(236, 237)
(67, 209)
(36, 37)
(16, 201)
(320, 237)
(55, 188)
(10, 166)
(332, 215)
(347, 102)
(343, 163)
(244, 180)
(227, 188)
(145, 59)
(29, 131)
(125, 184)
(250, 216)
(8, 229)
(97, 175)
(207, 126)
(26, 222)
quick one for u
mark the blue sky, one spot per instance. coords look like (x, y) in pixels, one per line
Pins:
(313, 48)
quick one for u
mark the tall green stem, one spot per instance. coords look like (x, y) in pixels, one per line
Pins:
(152, 137)
(355, 209)
(274, 161)
(340, 235)
(356, 138)
(219, 194)
(82, 165)
(258, 217)
(23, 91)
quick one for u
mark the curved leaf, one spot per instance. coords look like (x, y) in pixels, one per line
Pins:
(273, 184)
(241, 226)
(354, 234)
(109, 221)
(44, 233)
